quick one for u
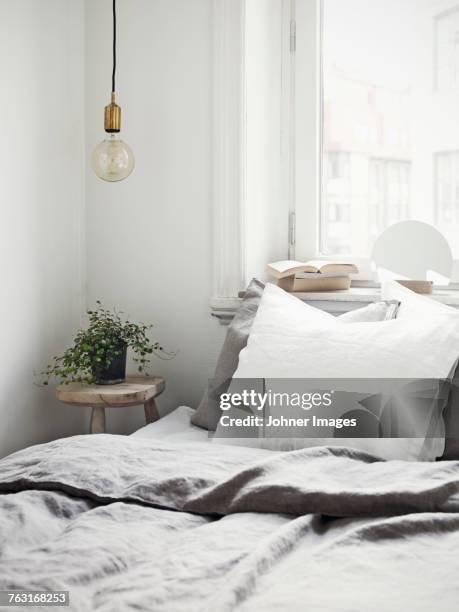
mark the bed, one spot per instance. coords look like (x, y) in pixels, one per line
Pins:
(169, 520)
(168, 523)
(174, 427)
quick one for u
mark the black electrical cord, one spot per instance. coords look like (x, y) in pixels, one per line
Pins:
(114, 46)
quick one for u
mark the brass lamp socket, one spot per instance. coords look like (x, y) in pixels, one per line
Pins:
(112, 117)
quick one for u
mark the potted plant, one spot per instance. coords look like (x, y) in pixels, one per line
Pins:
(98, 354)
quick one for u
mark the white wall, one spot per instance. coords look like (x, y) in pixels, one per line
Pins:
(41, 198)
(149, 237)
(68, 239)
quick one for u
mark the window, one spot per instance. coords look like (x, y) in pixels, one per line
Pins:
(333, 120)
(389, 194)
(447, 188)
(385, 122)
(339, 199)
(447, 51)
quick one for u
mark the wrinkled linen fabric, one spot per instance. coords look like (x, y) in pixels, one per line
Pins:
(139, 524)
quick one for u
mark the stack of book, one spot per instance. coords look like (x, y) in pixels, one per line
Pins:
(312, 275)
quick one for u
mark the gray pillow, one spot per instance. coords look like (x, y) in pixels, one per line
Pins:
(207, 414)
(451, 418)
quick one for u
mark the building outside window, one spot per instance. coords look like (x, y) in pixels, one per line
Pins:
(385, 126)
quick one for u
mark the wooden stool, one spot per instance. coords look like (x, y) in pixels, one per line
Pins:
(133, 391)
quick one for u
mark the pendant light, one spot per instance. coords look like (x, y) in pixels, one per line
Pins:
(113, 159)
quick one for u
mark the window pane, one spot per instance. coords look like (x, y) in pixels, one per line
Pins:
(390, 120)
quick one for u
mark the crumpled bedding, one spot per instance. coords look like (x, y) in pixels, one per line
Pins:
(132, 524)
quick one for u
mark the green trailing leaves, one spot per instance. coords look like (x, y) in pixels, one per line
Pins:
(95, 348)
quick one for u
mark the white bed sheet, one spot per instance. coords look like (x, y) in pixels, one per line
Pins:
(175, 426)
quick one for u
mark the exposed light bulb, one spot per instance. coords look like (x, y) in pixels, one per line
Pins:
(113, 159)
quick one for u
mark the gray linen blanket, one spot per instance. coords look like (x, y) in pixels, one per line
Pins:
(134, 524)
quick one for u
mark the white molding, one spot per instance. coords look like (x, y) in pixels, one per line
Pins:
(224, 309)
(337, 302)
(228, 147)
(307, 105)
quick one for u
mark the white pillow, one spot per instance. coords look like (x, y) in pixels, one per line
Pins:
(290, 339)
(412, 303)
(379, 311)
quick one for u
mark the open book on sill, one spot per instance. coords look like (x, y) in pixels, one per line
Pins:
(284, 269)
(314, 275)
(318, 282)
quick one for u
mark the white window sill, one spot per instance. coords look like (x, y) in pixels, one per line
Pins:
(334, 302)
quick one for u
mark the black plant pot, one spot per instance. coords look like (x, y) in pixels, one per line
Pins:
(115, 374)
